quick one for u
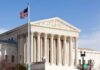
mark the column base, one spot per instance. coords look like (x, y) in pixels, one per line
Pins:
(59, 65)
(65, 65)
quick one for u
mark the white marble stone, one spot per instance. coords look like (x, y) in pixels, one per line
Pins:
(49, 39)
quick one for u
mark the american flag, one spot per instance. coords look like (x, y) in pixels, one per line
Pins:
(24, 13)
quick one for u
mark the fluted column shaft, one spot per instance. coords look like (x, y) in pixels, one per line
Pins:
(41, 46)
(76, 49)
(45, 46)
(51, 49)
(59, 51)
(70, 51)
(65, 51)
(38, 47)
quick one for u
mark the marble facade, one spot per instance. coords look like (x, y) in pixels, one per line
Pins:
(52, 39)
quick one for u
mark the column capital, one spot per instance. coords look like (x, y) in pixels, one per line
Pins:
(71, 37)
(64, 37)
(68, 38)
(45, 35)
(76, 38)
(51, 35)
(38, 33)
(58, 36)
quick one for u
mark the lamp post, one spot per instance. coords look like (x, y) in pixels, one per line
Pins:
(82, 54)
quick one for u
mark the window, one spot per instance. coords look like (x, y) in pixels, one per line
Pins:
(8, 39)
(11, 38)
(12, 58)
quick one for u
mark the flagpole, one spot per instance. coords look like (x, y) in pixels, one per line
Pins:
(29, 40)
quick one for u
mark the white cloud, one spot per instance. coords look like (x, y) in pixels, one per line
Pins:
(2, 30)
(91, 40)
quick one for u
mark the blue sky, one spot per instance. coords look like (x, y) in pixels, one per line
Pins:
(84, 14)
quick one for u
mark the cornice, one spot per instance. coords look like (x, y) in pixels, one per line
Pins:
(54, 28)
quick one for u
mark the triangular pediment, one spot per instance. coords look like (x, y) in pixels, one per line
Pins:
(56, 23)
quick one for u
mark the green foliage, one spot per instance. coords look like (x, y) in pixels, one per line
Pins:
(20, 67)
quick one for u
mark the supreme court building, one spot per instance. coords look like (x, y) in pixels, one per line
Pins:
(53, 44)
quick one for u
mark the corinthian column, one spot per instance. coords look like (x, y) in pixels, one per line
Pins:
(70, 51)
(38, 47)
(59, 51)
(76, 46)
(41, 46)
(45, 46)
(65, 51)
(51, 49)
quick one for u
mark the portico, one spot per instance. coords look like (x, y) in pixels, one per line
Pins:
(53, 47)
(54, 42)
